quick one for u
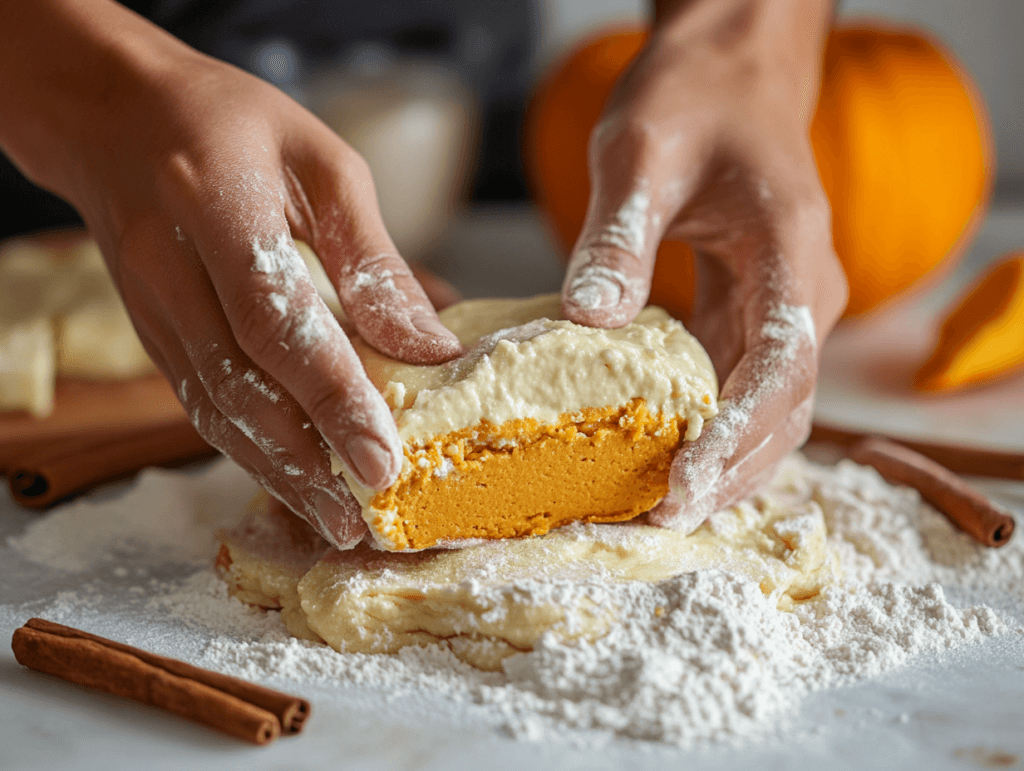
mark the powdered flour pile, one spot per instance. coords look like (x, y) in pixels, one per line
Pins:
(703, 657)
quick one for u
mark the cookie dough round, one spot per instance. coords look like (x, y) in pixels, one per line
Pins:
(498, 598)
(542, 423)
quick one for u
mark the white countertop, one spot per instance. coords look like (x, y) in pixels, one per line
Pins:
(958, 710)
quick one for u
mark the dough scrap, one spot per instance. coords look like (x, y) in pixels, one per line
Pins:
(27, 367)
(497, 598)
(61, 316)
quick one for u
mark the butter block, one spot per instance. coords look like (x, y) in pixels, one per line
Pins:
(27, 367)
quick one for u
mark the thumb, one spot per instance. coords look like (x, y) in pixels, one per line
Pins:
(638, 186)
(609, 275)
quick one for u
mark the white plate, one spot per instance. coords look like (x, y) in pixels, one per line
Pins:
(865, 385)
(867, 364)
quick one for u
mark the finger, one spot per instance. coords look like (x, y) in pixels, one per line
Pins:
(747, 475)
(635, 191)
(236, 407)
(774, 288)
(319, 498)
(282, 325)
(339, 215)
(774, 377)
(757, 469)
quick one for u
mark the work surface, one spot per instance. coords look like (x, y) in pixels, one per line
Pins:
(958, 710)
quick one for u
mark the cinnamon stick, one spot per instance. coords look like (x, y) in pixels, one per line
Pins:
(236, 707)
(55, 469)
(963, 459)
(946, 491)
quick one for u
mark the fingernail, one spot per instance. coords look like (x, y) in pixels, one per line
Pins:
(342, 525)
(671, 513)
(666, 509)
(431, 325)
(592, 292)
(696, 481)
(702, 486)
(374, 465)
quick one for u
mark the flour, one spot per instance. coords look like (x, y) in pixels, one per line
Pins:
(703, 657)
(719, 662)
(383, 279)
(770, 370)
(592, 282)
(166, 514)
(627, 230)
(253, 378)
(391, 311)
(281, 262)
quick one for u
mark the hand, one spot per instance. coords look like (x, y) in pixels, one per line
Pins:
(706, 140)
(193, 177)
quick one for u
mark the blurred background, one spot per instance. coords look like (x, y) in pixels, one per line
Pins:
(433, 94)
(984, 34)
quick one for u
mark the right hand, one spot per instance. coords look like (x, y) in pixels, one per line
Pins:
(194, 176)
(706, 140)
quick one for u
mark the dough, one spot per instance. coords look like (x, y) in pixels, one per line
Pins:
(498, 598)
(98, 342)
(27, 367)
(61, 315)
(543, 422)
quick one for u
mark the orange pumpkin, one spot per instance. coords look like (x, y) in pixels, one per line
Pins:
(900, 138)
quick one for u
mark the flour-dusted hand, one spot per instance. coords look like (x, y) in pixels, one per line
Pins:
(193, 177)
(705, 140)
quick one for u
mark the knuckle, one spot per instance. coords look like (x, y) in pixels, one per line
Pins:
(217, 373)
(804, 210)
(804, 383)
(812, 215)
(179, 174)
(325, 401)
(261, 328)
(344, 403)
(346, 169)
(214, 428)
(379, 284)
(354, 164)
(621, 140)
(381, 264)
(287, 463)
(801, 378)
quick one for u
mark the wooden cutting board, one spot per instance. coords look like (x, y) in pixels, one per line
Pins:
(83, 407)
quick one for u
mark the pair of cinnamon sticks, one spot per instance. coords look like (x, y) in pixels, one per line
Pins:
(241, 709)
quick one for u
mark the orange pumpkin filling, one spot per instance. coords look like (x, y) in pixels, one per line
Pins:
(525, 478)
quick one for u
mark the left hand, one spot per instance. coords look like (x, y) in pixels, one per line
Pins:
(706, 140)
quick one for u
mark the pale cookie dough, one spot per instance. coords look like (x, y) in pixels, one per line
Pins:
(61, 315)
(542, 423)
(98, 342)
(27, 367)
(492, 600)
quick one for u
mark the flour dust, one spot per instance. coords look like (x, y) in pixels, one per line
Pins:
(703, 658)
